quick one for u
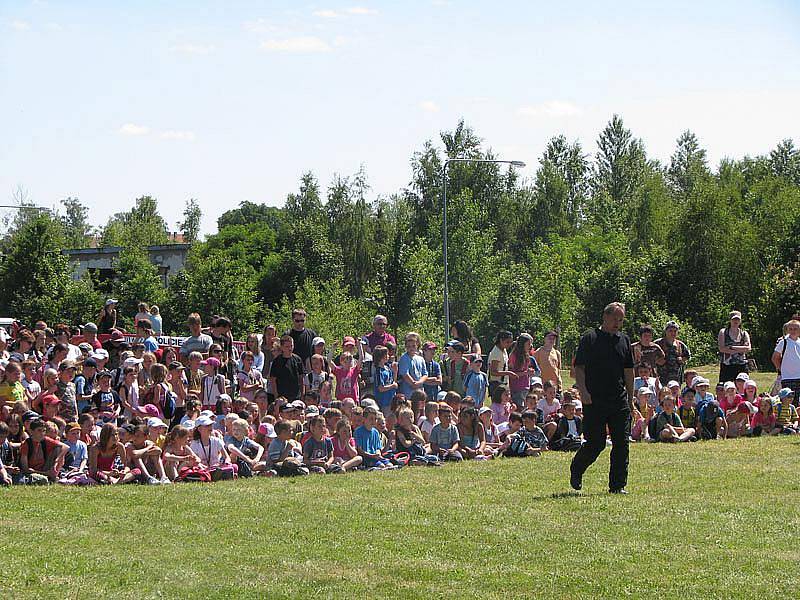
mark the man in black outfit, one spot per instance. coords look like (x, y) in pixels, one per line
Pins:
(604, 377)
(302, 337)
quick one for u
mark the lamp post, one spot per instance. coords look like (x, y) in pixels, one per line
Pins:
(513, 163)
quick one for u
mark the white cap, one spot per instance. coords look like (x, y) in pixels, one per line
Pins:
(155, 422)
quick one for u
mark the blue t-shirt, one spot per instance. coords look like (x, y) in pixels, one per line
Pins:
(384, 376)
(434, 370)
(475, 385)
(369, 440)
(444, 437)
(79, 452)
(414, 366)
(150, 344)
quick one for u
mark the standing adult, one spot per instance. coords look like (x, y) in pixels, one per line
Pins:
(379, 335)
(197, 341)
(286, 373)
(90, 335)
(786, 358)
(604, 377)
(734, 344)
(549, 359)
(107, 321)
(302, 336)
(676, 355)
(462, 332)
(498, 361)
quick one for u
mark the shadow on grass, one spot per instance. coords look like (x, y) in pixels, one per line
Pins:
(562, 495)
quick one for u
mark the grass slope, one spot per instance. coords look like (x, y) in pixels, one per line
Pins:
(713, 519)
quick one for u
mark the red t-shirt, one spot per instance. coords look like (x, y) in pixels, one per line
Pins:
(37, 460)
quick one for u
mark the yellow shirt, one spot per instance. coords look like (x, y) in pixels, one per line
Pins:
(11, 392)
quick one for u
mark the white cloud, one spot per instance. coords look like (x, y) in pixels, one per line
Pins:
(131, 129)
(301, 45)
(185, 136)
(260, 26)
(429, 106)
(325, 14)
(195, 49)
(361, 10)
(340, 41)
(20, 25)
(54, 27)
(552, 109)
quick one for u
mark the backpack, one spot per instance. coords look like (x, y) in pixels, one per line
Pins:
(167, 404)
(196, 473)
(518, 447)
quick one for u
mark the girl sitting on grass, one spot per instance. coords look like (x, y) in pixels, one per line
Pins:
(764, 420)
(177, 452)
(473, 436)
(344, 447)
(107, 459)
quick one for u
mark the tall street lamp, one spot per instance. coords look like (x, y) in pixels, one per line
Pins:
(513, 163)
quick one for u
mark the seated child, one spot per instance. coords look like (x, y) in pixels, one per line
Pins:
(408, 438)
(244, 452)
(501, 406)
(369, 442)
(345, 453)
(318, 449)
(472, 435)
(568, 434)
(144, 455)
(686, 410)
(78, 450)
(669, 427)
(489, 428)
(177, 452)
(786, 421)
(528, 440)
(712, 421)
(764, 420)
(444, 438)
(430, 419)
(285, 453)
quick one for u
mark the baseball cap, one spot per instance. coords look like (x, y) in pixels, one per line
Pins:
(672, 325)
(267, 430)
(729, 385)
(646, 390)
(784, 392)
(85, 346)
(214, 362)
(536, 381)
(203, 421)
(111, 301)
(348, 340)
(72, 427)
(155, 422)
(429, 346)
(312, 410)
(672, 383)
(66, 364)
(478, 359)
(440, 396)
(735, 314)
(225, 398)
(103, 374)
(99, 354)
(207, 413)
(742, 377)
(149, 409)
(131, 362)
(90, 327)
(751, 383)
(317, 340)
(484, 409)
(90, 362)
(117, 336)
(455, 345)
(50, 399)
(176, 364)
(698, 380)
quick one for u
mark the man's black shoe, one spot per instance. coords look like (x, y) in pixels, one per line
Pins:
(619, 491)
(575, 481)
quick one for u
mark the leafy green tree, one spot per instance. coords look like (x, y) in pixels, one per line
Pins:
(138, 280)
(139, 227)
(249, 212)
(75, 221)
(190, 226)
(687, 165)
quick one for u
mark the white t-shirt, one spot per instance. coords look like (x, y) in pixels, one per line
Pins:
(427, 426)
(548, 409)
(790, 365)
(210, 454)
(500, 356)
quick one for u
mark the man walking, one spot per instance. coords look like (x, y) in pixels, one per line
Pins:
(604, 377)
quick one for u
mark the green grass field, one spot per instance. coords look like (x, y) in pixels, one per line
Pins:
(713, 519)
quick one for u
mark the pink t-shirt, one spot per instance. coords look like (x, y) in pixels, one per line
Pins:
(346, 382)
(727, 405)
(523, 382)
(766, 421)
(339, 451)
(500, 412)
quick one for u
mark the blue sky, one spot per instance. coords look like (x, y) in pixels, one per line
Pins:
(232, 101)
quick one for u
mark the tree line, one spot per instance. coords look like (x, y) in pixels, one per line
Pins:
(683, 241)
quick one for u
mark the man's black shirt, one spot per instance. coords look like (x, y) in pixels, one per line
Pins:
(302, 342)
(605, 356)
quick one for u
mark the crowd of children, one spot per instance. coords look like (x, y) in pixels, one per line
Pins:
(95, 414)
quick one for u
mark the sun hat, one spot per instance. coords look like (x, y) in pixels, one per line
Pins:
(155, 422)
(149, 409)
(203, 421)
(785, 392)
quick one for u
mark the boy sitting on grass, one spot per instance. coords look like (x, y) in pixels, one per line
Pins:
(284, 452)
(368, 442)
(244, 452)
(528, 440)
(669, 425)
(786, 421)
(568, 434)
(444, 438)
(712, 421)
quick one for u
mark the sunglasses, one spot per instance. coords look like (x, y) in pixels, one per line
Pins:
(299, 320)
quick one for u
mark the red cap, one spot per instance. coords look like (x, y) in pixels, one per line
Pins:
(348, 340)
(50, 399)
(116, 335)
